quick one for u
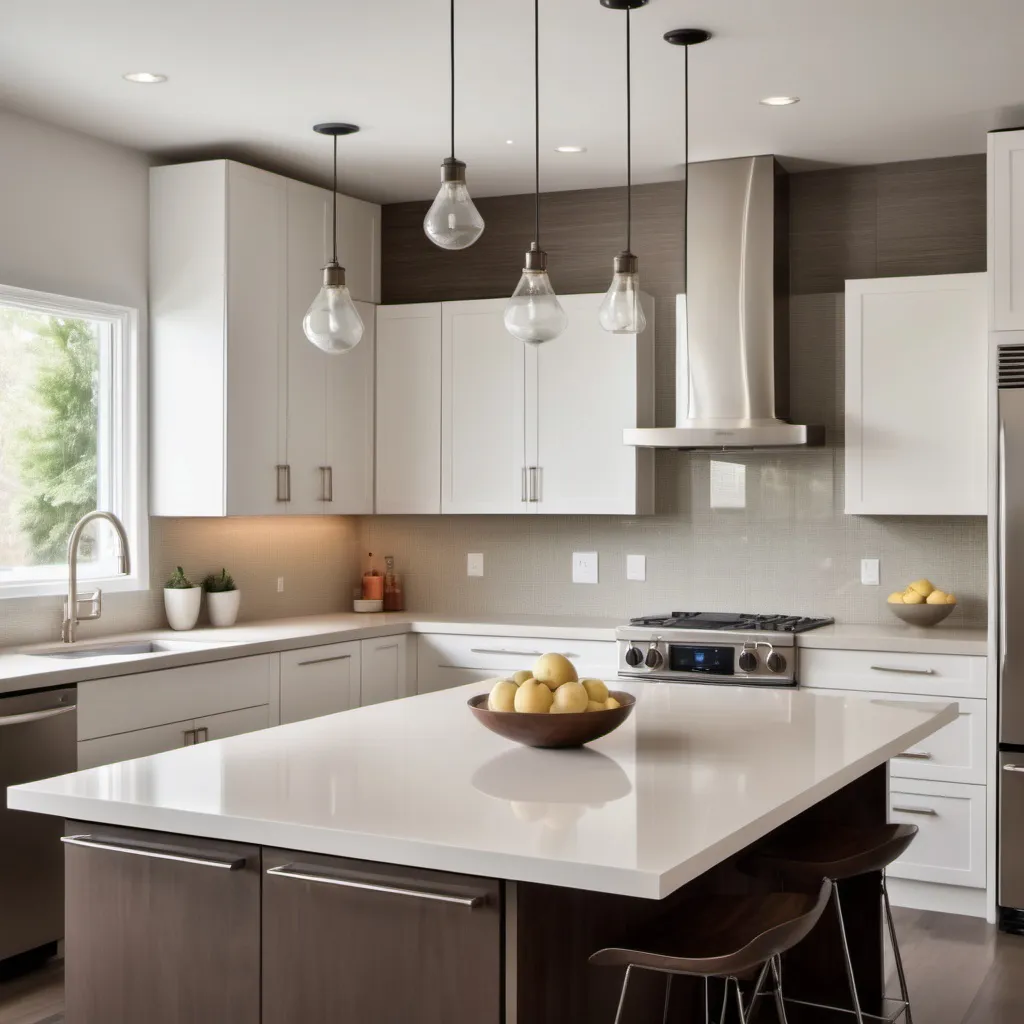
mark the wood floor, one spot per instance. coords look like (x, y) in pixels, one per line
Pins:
(960, 971)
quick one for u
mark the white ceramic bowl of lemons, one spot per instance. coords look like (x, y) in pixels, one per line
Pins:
(922, 604)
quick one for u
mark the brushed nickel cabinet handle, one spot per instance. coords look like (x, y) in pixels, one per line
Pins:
(34, 716)
(904, 671)
(913, 755)
(92, 843)
(205, 737)
(190, 737)
(387, 647)
(534, 495)
(524, 497)
(1013, 767)
(326, 483)
(284, 483)
(302, 874)
(928, 811)
(324, 661)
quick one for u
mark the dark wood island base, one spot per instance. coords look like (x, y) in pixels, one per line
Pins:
(167, 929)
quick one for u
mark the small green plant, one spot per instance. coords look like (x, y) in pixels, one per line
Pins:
(219, 583)
(179, 581)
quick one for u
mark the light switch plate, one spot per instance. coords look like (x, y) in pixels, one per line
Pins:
(475, 564)
(584, 567)
(636, 567)
(870, 572)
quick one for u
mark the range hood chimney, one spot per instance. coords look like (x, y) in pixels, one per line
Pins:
(732, 326)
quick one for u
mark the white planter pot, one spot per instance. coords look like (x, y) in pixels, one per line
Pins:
(223, 607)
(182, 606)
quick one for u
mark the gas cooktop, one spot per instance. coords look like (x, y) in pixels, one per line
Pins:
(736, 621)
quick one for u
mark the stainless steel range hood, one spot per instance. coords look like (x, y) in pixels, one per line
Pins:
(732, 326)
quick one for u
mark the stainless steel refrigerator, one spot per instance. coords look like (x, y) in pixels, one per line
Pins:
(1011, 638)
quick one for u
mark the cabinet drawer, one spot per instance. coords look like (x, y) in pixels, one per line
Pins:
(128, 745)
(384, 669)
(950, 847)
(445, 660)
(127, 703)
(319, 681)
(931, 675)
(232, 723)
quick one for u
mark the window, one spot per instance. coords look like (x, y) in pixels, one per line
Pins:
(69, 440)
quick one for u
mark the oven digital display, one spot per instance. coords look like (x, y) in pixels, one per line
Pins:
(689, 658)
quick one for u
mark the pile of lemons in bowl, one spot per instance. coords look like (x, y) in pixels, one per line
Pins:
(921, 592)
(550, 687)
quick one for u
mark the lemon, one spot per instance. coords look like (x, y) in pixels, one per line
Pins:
(503, 696)
(596, 689)
(937, 597)
(521, 676)
(610, 703)
(896, 598)
(913, 597)
(533, 698)
(950, 599)
(553, 670)
(923, 587)
(570, 698)
(595, 705)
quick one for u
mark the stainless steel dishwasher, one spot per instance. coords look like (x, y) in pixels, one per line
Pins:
(38, 739)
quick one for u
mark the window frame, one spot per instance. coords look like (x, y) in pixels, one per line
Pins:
(125, 407)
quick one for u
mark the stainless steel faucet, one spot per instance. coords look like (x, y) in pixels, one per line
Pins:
(72, 603)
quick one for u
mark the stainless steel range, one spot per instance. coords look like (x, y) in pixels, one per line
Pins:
(714, 647)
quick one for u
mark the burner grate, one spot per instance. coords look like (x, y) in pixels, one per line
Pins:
(745, 622)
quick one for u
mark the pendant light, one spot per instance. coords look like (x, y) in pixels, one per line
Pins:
(534, 314)
(453, 222)
(621, 311)
(332, 322)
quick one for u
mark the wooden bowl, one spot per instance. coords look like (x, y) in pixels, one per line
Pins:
(922, 614)
(553, 731)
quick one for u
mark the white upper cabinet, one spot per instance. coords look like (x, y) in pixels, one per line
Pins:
(1006, 230)
(249, 418)
(483, 407)
(409, 409)
(916, 395)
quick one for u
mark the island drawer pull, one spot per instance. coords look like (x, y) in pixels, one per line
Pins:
(904, 671)
(292, 871)
(34, 716)
(1013, 767)
(914, 755)
(387, 647)
(229, 864)
(929, 811)
(508, 650)
(324, 661)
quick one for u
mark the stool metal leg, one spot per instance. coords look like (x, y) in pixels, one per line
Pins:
(622, 994)
(707, 1000)
(780, 1003)
(846, 954)
(668, 997)
(739, 999)
(904, 992)
(725, 1003)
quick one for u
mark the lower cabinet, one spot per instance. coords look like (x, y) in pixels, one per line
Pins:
(384, 671)
(165, 941)
(319, 681)
(352, 941)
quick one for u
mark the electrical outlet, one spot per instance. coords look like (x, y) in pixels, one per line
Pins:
(475, 564)
(636, 567)
(280, 584)
(870, 572)
(584, 567)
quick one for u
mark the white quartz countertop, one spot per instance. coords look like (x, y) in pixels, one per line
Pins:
(22, 668)
(694, 776)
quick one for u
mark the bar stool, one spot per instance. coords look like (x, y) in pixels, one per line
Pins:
(838, 853)
(727, 937)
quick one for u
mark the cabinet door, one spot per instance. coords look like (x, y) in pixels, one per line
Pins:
(354, 941)
(409, 409)
(1006, 230)
(255, 324)
(483, 445)
(125, 746)
(582, 391)
(231, 723)
(348, 475)
(319, 681)
(359, 247)
(309, 221)
(384, 670)
(157, 940)
(917, 396)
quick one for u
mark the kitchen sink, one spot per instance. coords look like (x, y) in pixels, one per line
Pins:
(131, 649)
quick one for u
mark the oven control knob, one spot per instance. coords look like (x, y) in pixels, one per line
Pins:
(748, 661)
(654, 658)
(634, 656)
(776, 662)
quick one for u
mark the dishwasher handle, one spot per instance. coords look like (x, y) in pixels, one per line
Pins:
(35, 716)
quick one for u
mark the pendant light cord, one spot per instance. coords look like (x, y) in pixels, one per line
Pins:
(629, 140)
(536, 121)
(452, 55)
(334, 207)
(686, 166)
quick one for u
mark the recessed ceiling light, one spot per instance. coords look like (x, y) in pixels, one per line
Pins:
(144, 77)
(779, 101)
(570, 149)
(508, 142)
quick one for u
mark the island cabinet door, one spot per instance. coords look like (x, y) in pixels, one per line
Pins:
(159, 928)
(353, 942)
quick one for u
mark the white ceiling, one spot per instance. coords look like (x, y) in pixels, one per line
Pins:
(880, 80)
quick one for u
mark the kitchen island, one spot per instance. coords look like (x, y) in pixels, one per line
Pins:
(399, 863)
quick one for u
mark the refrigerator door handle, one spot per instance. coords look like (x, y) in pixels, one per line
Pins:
(1001, 540)
(1013, 767)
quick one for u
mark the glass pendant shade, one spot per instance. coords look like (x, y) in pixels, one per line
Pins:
(534, 314)
(332, 322)
(453, 222)
(621, 311)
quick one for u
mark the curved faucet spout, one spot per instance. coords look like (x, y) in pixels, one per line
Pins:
(72, 613)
